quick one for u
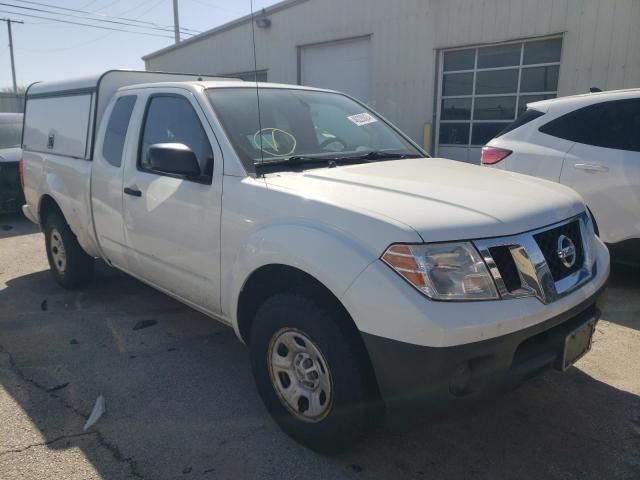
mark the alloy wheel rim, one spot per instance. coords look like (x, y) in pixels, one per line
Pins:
(300, 375)
(58, 253)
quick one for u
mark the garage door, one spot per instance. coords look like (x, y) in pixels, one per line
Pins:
(342, 66)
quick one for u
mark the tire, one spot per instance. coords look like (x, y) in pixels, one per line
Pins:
(70, 266)
(337, 424)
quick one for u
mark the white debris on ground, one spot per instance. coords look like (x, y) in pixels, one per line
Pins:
(98, 410)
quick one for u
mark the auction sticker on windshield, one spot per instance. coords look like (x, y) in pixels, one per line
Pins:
(362, 119)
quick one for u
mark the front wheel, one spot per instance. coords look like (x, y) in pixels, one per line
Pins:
(70, 265)
(311, 372)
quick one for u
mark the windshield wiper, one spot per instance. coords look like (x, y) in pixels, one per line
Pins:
(295, 161)
(381, 155)
(302, 160)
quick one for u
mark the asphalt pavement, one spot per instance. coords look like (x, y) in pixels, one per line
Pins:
(181, 403)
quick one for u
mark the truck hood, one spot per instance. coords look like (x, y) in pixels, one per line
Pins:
(10, 155)
(440, 199)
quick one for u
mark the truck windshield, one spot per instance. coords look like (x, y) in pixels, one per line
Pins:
(10, 135)
(303, 127)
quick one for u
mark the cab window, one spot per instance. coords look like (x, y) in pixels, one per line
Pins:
(172, 119)
(117, 128)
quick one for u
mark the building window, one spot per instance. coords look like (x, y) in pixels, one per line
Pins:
(252, 76)
(484, 89)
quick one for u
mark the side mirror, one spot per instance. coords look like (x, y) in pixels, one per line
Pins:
(174, 159)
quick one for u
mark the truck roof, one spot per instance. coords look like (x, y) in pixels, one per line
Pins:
(79, 83)
(224, 83)
(92, 83)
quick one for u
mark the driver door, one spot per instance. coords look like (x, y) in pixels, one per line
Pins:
(172, 224)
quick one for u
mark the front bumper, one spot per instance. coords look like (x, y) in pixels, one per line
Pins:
(412, 377)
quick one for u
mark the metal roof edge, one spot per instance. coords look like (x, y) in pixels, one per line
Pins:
(284, 4)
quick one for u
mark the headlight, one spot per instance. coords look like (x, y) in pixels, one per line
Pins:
(443, 271)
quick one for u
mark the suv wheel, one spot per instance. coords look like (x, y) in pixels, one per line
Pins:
(70, 265)
(311, 372)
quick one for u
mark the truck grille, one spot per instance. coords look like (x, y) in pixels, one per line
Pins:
(507, 267)
(546, 263)
(548, 243)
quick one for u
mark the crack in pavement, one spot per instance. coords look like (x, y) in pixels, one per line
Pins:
(101, 439)
(115, 452)
(44, 444)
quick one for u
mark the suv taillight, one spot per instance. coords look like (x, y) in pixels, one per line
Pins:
(21, 170)
(493, 155)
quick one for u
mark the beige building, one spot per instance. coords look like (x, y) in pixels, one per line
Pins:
(450, 73)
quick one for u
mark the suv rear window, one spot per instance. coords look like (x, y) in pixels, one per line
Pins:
(527, 117)
(613, 124)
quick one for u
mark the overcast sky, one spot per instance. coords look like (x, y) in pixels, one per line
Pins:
(48, 50)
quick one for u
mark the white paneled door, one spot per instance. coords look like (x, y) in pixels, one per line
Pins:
(342, 66)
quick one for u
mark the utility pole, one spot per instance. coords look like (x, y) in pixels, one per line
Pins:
(13, 63)
(176, 21)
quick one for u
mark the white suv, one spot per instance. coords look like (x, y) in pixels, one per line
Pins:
(588, 142)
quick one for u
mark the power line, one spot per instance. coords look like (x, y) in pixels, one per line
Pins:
(69, 47)
(107, 5)
(232, 10)
(139, 5)
(114, 22)
(102, 27)
(85, 12)
(90, 2)
(93, 40)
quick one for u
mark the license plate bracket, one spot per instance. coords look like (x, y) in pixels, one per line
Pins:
(578, 343)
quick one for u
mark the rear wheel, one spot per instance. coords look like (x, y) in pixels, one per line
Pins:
(70, 266)
(311, 373)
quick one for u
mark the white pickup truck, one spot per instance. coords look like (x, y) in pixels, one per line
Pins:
(365, 277)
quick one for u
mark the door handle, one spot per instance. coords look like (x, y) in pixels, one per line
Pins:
(133, 192)
(591, 167)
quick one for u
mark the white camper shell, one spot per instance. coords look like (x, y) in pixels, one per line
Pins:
(63, 115)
